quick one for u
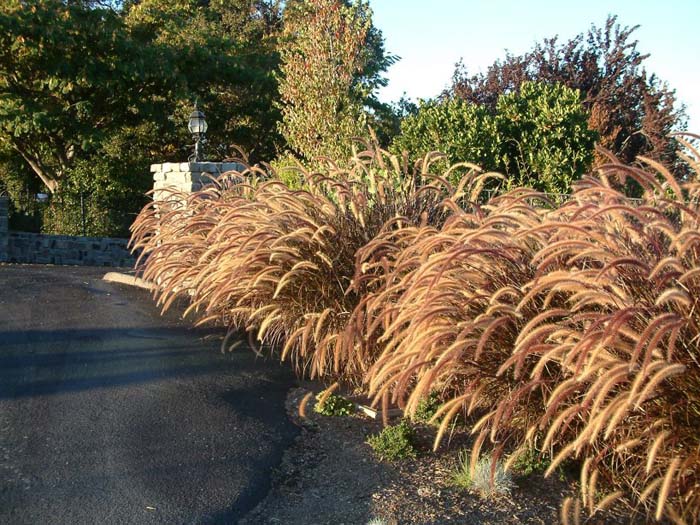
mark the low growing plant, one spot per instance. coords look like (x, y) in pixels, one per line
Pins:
(333, 405)
(531, 461)
(486, 478)
(427, 408)
(394, 442)
(462, 476)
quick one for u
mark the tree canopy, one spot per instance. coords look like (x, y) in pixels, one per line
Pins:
(332, 64)
(537, 136)
(83, 85)
(632, 111)
(93, 91)
(58, 102)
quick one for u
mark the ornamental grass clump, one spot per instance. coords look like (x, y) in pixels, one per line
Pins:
(627, 403)
(280, 262)
(488, 478)
(572, 328)
(453, 321)
(575, 329)
(171, 233)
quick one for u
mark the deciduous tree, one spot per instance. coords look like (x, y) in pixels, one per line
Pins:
(332, 60)
(84, 86)
(632, 111)
(65, 84)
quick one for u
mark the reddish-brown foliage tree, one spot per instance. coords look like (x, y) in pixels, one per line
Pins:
(632, 111)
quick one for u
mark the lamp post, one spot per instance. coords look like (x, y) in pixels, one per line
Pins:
(198, 127)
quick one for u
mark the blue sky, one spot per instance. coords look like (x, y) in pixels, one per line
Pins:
(431, 36)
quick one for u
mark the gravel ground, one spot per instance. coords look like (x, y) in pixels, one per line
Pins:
(330, 476)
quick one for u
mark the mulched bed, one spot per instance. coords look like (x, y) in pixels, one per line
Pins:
(330, 476)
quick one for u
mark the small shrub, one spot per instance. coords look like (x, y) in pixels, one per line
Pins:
(427, 408)
(394, 442)
(482, 480)
(333, 405)
(289, 170)
(531, 462)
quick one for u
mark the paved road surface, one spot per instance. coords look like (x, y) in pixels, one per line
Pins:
(110, 413)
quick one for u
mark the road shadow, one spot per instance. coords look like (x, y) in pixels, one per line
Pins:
(46, 362)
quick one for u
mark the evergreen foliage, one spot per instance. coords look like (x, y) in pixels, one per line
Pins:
(544, 142)
(538, 136)
(464, 132)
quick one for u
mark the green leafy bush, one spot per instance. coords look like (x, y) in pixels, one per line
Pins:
(333, 405)
(609, 68)
(394, 442)
(464, 132)
(289, 170)
(531, 461)
(546, 143)
(537, 136)
(427, 408)
(98, 197)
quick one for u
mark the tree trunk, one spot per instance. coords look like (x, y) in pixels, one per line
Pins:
(49, 181)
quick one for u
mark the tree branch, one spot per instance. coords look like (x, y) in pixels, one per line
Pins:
(49, 180)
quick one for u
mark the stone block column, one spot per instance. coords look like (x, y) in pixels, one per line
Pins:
(4, 229)
(187, 176)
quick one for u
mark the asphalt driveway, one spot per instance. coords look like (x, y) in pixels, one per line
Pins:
(110, 413)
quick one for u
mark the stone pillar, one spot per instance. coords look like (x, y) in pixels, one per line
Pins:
(187, 176)
(4, 229)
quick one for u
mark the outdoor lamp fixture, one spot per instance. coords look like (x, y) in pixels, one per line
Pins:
(198, 128)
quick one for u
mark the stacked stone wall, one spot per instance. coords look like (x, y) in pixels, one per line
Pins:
(4, 228)
(35, 248)
(38, 248)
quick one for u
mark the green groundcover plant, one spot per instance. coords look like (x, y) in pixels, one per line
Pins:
(394, 442)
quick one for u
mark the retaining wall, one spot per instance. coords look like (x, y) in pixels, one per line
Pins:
(3, 229)
(38, 248)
